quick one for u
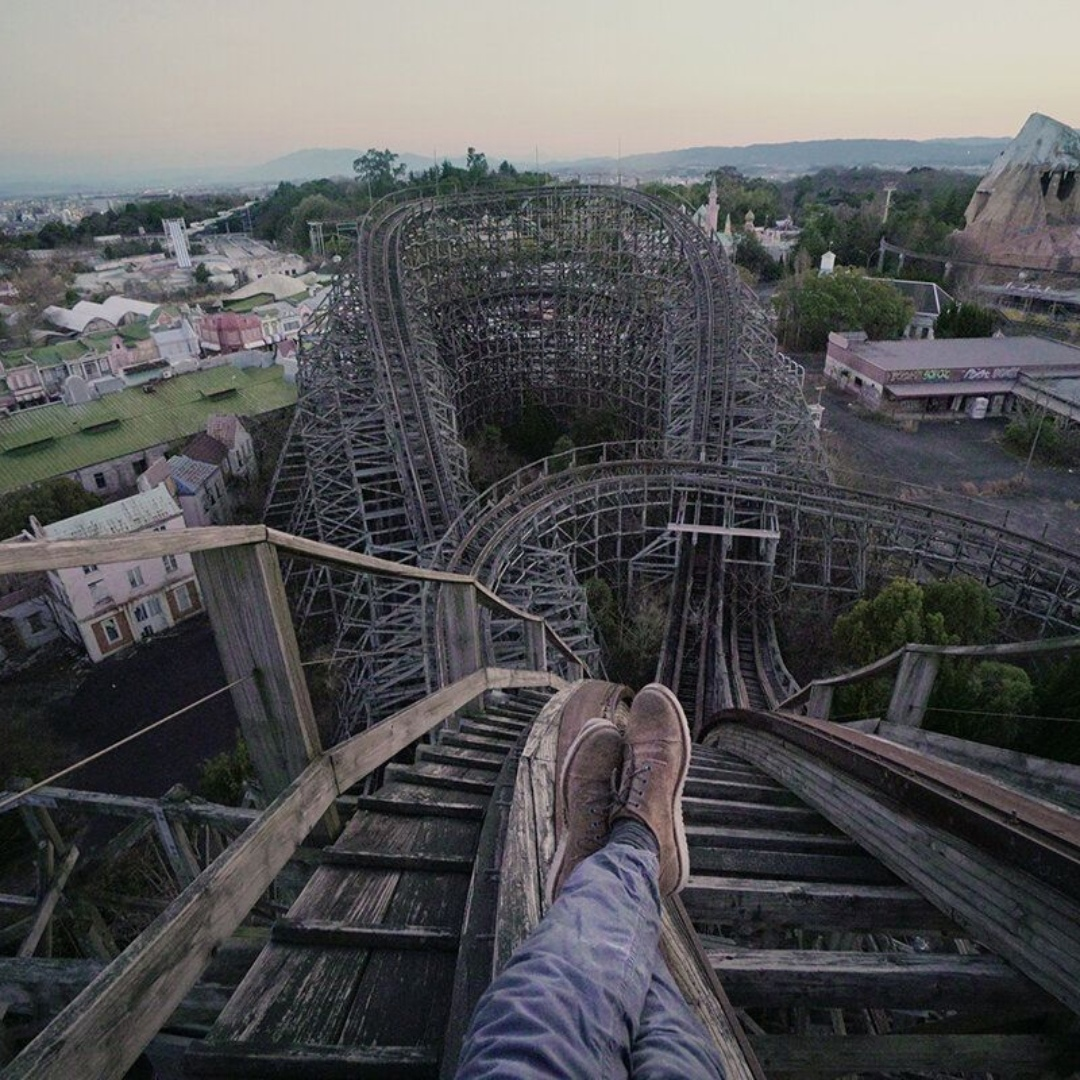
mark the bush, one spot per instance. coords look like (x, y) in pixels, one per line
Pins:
(223, 777)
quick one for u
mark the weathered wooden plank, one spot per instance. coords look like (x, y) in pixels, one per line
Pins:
(311, 1062)
(57, 554)
(483, 743)
(1034, 927)
(856, 980)
(748, 902)
(434, 774)
(459, 631)
(473, 968)
(704, 994)
(293, 994)
(472, 759)
(134, 806)
(820, 1056)
(522, 872)
(104, 1029)
(398, 860)
(398, 802)
(404, 996)
(1054, 781)
(716, 836)
(755, 816)
(506, 733)
(790, 866)
(738, 791)
(321, 933)
(245, 596)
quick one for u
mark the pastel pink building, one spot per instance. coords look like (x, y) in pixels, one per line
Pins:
(109, 606)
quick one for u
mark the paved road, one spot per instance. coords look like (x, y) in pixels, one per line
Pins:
(958, 465)
(122, 695)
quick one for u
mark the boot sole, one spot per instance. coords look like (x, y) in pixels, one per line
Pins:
(676, 804)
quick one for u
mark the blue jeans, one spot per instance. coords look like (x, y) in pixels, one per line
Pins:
(587, 994)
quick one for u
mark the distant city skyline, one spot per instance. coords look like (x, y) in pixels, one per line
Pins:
(131, 84)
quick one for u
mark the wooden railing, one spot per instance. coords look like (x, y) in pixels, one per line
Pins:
(916, 667)
(105, 1028)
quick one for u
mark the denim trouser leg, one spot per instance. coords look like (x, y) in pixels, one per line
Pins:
(671, 1041)
(570, 1002)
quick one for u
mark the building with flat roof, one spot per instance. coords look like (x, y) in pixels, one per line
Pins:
(944, 377)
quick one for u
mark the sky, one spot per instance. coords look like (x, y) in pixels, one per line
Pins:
(132, 83)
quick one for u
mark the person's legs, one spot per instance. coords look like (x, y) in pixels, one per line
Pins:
(574, 997)
(569, 1001)
(671, 1041)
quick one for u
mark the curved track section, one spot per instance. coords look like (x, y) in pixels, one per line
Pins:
(727, 547)
(461, 312)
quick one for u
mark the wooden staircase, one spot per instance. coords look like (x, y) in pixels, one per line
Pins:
(357, 980)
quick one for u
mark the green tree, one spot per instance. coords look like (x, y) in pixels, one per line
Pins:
(810, 305)
(379, 171)
(476, 165)
(751, 253)
(964, 321)
(223, 778)
(895, 617)
(202, 274)
(968, 613)
(49, 501)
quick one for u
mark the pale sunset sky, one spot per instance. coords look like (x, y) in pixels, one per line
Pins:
(233, 82)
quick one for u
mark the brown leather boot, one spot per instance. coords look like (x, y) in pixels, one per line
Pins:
(655, 764)
(584, 798)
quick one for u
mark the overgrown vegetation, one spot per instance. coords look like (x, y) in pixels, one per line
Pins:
(964, 321)
(631, 633)
(1034, 432)
(223, 777)
(49, 501)
(810, 305)
(987, 701)
(536, 432)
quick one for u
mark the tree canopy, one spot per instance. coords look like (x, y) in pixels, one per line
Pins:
(49, 501)
(964, 321)
(810, 305)
(982, 700)
(379, 170)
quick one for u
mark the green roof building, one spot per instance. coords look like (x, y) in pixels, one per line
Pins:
(106, 443)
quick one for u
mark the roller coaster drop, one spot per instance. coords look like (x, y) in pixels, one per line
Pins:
(462, 309)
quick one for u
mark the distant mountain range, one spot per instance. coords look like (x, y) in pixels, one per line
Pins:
(763, 159)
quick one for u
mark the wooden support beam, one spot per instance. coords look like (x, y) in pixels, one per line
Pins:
(242, 1060)
(460, 633)
(911, 691)
(790, 866)
(820, 701)
(183, 863)
(782, 905)
(856, 980)
(39, 988)
(42, 917)
(135, 806)
(245, 596)
(433, 861)
(104, 1029)
(799, 1056)
(323, 934)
